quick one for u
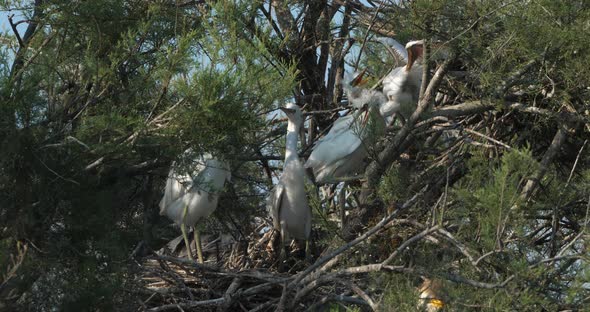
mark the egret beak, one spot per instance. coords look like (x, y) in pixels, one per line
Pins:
(287, 111)
(415, 50)
(365, 120)
(358, 80)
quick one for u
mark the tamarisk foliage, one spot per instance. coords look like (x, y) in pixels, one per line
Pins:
(482, 188)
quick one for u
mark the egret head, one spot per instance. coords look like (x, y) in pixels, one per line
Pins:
(359, 97)
(415, 50)
(220, 163)
(294, 114)
(350, 86)
(358, 80)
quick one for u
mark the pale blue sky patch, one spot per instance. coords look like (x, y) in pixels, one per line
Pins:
(7, 32)
(5, 25)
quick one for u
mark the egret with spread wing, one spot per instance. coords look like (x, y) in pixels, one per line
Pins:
(402, 84)
(192, 195)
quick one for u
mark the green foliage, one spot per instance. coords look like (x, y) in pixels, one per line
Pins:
(394, 184)
(107, 93)
(487, 196)
(118, 84)
(399, 289)
(92, 288)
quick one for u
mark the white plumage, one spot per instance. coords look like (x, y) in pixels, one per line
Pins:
(341, 152)
(192, 195)
(360, 97)
(287, 202)
(394, 47)
(402, 84)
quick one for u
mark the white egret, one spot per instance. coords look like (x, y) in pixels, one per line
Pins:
(360, 97)
(287, 202)
(402, 84)
(342, 151)
(193, 195)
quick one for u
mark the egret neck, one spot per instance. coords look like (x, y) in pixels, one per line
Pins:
(291, 142)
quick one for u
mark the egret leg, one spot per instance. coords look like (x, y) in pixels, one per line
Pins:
(198, 243)
(342, 204)
(282, 253)
(307, 251)
(184, 235)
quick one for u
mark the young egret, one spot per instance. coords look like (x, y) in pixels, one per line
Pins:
(190, 196)
(342, 151)
(402, 84)
(359, 97)
(287, 202)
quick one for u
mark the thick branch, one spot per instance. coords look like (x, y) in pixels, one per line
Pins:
(21, 44)
(551, 152)
(287, 23)
(20, 54)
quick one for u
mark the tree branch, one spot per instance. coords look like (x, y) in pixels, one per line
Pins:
(531, 184)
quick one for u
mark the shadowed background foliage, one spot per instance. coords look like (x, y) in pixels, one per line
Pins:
(97, 98)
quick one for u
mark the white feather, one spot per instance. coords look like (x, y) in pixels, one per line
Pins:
(395, 46)
(402, 88)
(287, 202)
(198, 190)
(342, 151)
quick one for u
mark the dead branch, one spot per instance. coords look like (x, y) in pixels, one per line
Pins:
(358, 240)
(357, 290)
(189, 305)
(229, 293)
(551, 152)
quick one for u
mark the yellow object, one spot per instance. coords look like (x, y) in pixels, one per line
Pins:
(437, 303)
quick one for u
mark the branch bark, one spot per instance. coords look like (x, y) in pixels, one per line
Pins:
(533, 182)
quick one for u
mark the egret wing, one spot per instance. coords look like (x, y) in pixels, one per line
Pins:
(198, 169)
(176, 186)
(394, 81)
(175, 209)
(342, 125)
(338, 127)
(395, 46)
(273, 204)
(329, 154)
(180, 178)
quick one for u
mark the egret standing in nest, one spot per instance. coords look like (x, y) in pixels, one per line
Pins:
(193, 195)
(287, 202)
